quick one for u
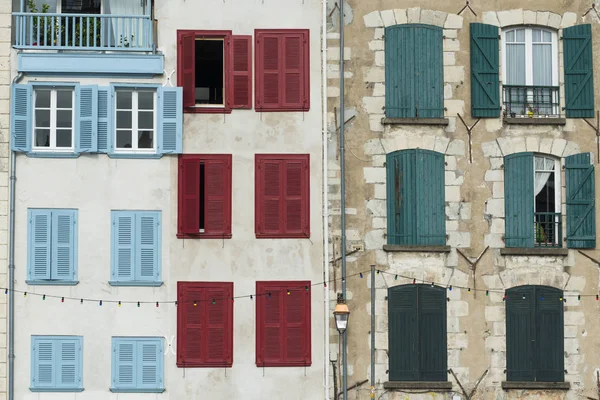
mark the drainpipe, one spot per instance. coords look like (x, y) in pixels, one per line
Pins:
(343, 199)
(326, 315)
(11, 269)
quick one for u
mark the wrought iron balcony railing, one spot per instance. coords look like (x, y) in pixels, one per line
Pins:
(531, 101)
(548, 229)
(99, 32)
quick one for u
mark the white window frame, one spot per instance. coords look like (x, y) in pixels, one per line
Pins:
(134, 121)
(557, 188)
(53, 128)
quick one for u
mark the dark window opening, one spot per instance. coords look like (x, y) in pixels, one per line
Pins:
(80, 6)
(202, 199)
(209, 71)
(547, 217)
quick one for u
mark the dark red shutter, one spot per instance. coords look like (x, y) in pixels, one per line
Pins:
(294, 326)
(189, 192)
(267, 72)
(218, 196)
(269, 190)
(294, 188)
(189, 325)
(293, 71)
(219, 332)
(240, 86)
(186, 58)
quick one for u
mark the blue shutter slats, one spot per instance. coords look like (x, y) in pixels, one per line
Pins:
(86, 119)
(20, 123)
(148, 364)
(64, 244)
(104, 138)
(579, 71)
(581, 201)
(43, 354)
(56, 363)
(429, 73)
(170, 120)
(67, 363)
(147, 231)
(430, 203)
(519, 200)
(124, 367)
(137, 365)
(39, 244)
(123, 246)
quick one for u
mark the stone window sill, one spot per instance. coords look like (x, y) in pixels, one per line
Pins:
(415, 121)
(535, 121)
(394, 248)
(535, 251)
(422, 385)
(536, 385)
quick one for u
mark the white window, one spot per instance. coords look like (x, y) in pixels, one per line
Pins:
(135, 121)
(547, 205)
(530, 60)
(53, 119)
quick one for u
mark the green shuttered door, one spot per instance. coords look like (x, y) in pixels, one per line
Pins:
(485, 83)
(414, 71)
(519, 200)
(581, 210)
(579, 71)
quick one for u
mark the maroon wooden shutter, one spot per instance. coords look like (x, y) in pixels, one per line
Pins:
(268, 72)
(294, 326)
(189, 192)
(217, 207)
(219, 332)
(293, 71)
(186, 58)
(240, 85)
(270, 197)
(273, 334)
(189, 327)
(294, 188)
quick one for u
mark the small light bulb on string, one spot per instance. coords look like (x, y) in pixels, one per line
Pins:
(44, 297)
(233, 299)
(214, 301)
(250, 297)
(432, 284)
(560, 298)
(175, 303)
(579, 297)
(100, 303)
(360, 274)
(469, 290)
(448, 299)
(62, 300)
(5, 291)
(119, 304)
(25, 294)
(288, 292)
(157, 304)
(396, 278)
(81, 302)
(450, 288)
(414, 280)
(543, 298)
(377, 272)
(195, 303)
(324, 284)
(523, 296)
(306, 288)
(597, 297)
(565, 300)
(269, 294)
(487, 292)
(138, 303)
(504, 297)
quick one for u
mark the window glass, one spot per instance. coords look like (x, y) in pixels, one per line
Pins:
(135, 119)
(53, 119)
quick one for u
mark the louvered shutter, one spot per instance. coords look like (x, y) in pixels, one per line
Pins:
(123, 246)
(270, 197)
(69, 363)
(579, 71)
(429, 74)
(485, 77)
(186, 56)
(400, 96)
(519, 200)
(104, 117)
(581, 202)
(124, 374)
(39, 244)
(20, 122)
(44, 375)
(271, 338)
(549, 340)
(147, 247)
(190, 330)
(86, 120)
(296, 316)
(403, 333)
(189, 192)
(295, 219)
(240, 93)
(401, 197)
(293, 71)
(430, 202)
(148, 370)
(433, 349)
(268, 74)
(64, 244)
(218, 349)
(217, 205)
(170, 120)
(520, 334)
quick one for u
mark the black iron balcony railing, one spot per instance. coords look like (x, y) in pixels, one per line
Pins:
(531, 101)
(548, 229)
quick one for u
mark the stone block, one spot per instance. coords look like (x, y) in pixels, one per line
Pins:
(456, 148)
(574, 318)
(457, 341)
(464, 211)
(400, 15)
(498, 359)
(378, 161)
(506, 145)
(333, 53)
(374, 239)
(379, 223)
(498, 190)
(441, 143)
(373, 20)
(499, 328)
(491, 149)
(452, 179)
(375, 146)
(571, 346)
(570, 149)
(453, 21)
(376, 45)
(380, 192)
(374, 174)
(570, 331)
(378, 90)
(519, 144)
(546, 145)
(435, 18)
(381, 340)
(381, 257)
(459, 239)
(455, 74)
(377, 208)
(491, 18)
(453, 358)
(452, 258)
(414, 15)
(378, 34)
(380, 58)
(388, 18)
(375, 123)
(532, 143)
(451, 45)
(452, 211)
(450, 33)
(495, 313)
(452, 324)
(495, 343)
(529, 17)
(374, 105)
(448, 88)
(510, 17)
(554, 20)
(495, 207)
(542, 17)
(568, 19)
(454, 107)
(451, 226)
(558, 147)
(452, 193)
(333, 91)
(494, 175)
(576, 284)
(496, 162)
(458, 308)
(449, 59)
(375, 74)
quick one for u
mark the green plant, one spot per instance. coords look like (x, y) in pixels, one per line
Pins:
(124, 41)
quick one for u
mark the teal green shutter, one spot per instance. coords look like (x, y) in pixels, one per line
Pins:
(123, 226)
(86, 119)
(430, 202)
(433, 349)
(520, 334)
(401, 197)
(42, 365)
(429, 72)
(69, 364)
(39, 244)
(579, 71)
(147, 244)
(400, 71)
(403, 333)
(170, 120)
(104, 113)
(64, 239)
(581, 203)
(485, 81)
(124, 364)
(20, 118)
(550, 335)
(519, 200)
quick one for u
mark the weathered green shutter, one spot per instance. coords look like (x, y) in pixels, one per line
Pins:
(485, 81)
(581, 211)
(429, 72)
(549, 339)
(520, 334)
(433, 350)
(403, 333)
(401, 197)
(579, 71)
(400, 71)
(430, 202)
(519, 200)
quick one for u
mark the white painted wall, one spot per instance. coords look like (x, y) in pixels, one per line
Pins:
(96, 184)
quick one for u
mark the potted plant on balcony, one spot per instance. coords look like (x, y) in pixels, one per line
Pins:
(38, 22)
(530, 111)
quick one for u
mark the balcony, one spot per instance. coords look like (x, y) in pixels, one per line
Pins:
(548, 229)
(532, 104)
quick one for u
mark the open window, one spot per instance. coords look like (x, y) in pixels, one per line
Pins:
(214, 69)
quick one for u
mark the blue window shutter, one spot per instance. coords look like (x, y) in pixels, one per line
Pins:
(550, 335)
(104, 115)
(579, 71)
(485, 71)
(86, 119)
(429, 73)
(147, 246)
(123, 225)
(430, 205)
(64, 244)
(433, 349)
(124, 363)
(20, 122)
(149, 364)
(69, 366)
(519, 200)
(520, 333)
(401, 197)
(581, 202)
(42, 363)
(400, 71)
(39, 244)
(403, 333)
(170, 120)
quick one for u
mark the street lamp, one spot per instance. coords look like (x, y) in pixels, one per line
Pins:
(341, 314)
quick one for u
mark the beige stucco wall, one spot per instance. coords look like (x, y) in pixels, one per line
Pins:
(474, 199)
